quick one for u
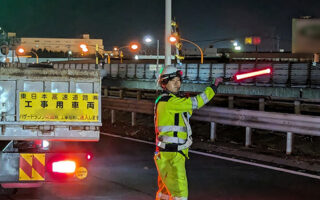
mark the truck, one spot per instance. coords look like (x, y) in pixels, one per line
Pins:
(42, 110)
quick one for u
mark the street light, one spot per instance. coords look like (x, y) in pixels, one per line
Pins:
(148, 40)
(69, 54)
(133, 46)
(173, 39)
(235, 43)
(84, 49)
(238, 48)
(21, 51)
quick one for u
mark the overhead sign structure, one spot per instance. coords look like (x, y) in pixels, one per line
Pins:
(44, 106)
(306, 35)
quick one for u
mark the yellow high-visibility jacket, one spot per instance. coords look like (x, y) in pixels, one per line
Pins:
(172, 115)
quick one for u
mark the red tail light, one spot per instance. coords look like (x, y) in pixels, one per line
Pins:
(89, 156)
(66, 166)
(265, 71)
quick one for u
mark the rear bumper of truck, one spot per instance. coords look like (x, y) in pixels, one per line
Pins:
(20, 170)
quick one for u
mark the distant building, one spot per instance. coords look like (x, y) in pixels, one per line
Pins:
(62, 44)
(306, 35)
(207, 52)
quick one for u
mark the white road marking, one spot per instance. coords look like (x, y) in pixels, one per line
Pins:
(228, 159)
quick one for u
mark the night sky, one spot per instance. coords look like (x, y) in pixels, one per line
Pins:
(118, 22)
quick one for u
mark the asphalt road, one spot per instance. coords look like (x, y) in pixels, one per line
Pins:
(124, 170)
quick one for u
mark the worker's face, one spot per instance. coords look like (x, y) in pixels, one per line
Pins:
(174, 85)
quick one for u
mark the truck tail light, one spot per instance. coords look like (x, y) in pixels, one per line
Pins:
(66, 166)
(89, 156)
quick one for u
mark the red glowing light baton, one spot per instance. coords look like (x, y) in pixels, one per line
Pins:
(252, 74)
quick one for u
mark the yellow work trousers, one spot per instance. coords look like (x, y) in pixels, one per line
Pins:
(172, 179)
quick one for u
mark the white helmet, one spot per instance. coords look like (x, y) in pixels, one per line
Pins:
(168, 73)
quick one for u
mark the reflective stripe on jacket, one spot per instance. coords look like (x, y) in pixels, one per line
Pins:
(169, 123)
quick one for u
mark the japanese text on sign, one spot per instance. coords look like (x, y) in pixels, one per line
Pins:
(43, 106)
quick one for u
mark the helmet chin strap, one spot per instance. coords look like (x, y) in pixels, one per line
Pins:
(169, 91)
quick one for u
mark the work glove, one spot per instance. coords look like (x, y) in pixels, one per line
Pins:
(216, 81)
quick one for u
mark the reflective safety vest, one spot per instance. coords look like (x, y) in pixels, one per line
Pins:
(172, 113)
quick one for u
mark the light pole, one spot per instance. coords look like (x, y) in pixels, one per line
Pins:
(84, 49)
(133, 46)
(35, 53)
(174, 39)
(148, 40)
(201, 52)
(168, 18)
(21, 51)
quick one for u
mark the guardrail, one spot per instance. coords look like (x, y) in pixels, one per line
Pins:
(283, 74)
(289, 123)
(261, 103)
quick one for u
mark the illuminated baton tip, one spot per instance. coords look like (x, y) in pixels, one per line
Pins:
(252, 74)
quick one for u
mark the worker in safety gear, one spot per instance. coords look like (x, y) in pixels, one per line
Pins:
(173, 132)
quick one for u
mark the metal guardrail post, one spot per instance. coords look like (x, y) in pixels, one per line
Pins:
(105, 91)
(113, 116)
(289, 143)
(230, 101)
(121, 93)
(133, 118)
(213, 131)
(297, 107)
(248, 136)
(139, 95)
(261, 104)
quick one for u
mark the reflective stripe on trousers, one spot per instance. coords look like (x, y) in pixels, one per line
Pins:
(172, 128)
(173, 140)
(161, 196)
